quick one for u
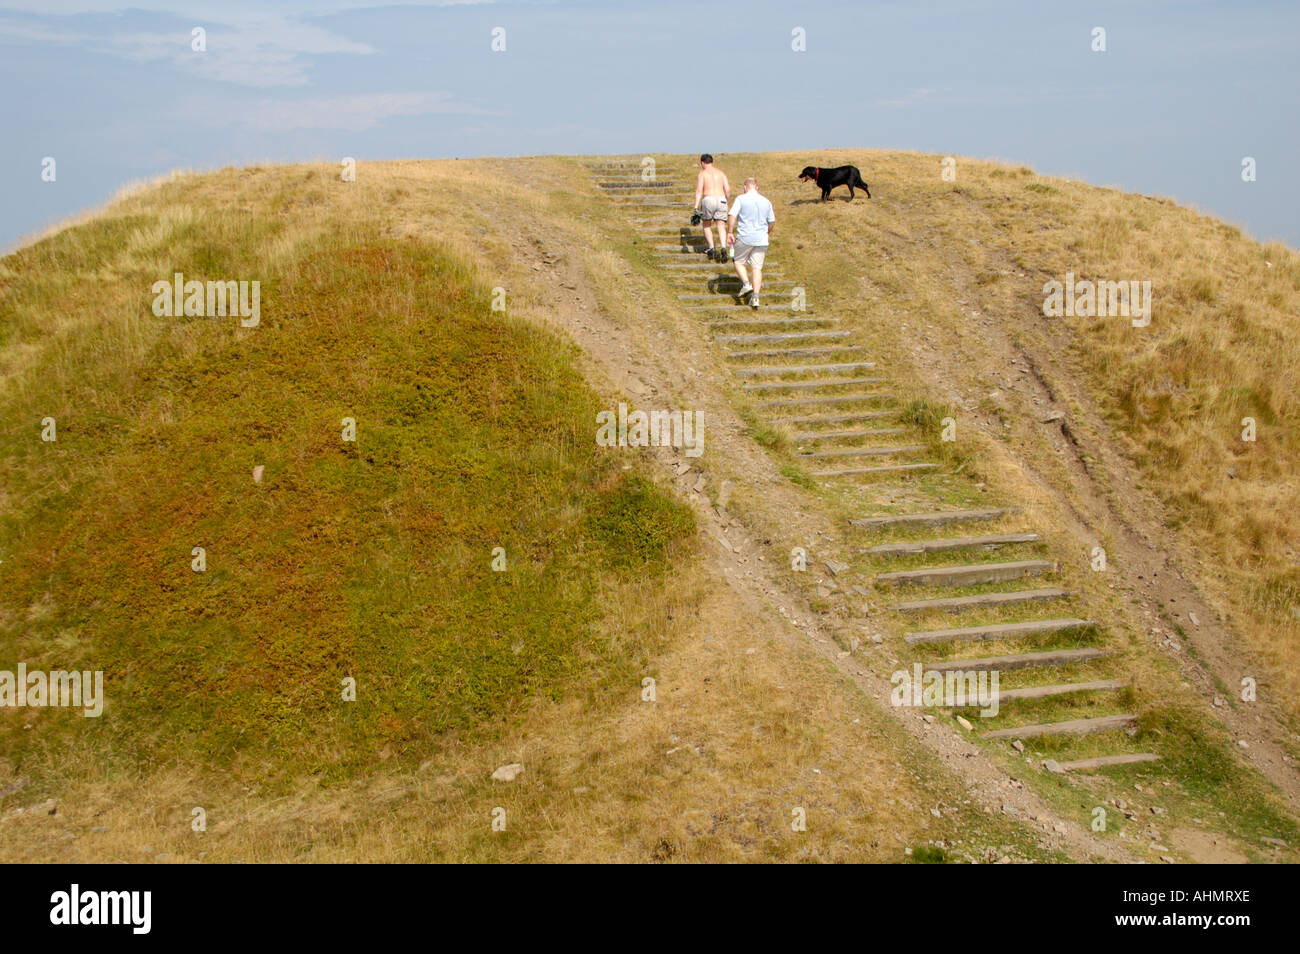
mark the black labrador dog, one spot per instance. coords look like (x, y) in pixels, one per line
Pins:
(828, 179)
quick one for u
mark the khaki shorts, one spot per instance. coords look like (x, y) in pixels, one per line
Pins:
(750, 254)
(713, 208)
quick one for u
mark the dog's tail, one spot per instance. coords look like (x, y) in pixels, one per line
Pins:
(861, 183)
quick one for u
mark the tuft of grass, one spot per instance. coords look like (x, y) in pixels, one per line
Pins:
(766, 434)
(929, 855)
(797, 475)
(637, 524)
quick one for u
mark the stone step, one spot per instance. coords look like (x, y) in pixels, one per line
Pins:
(802, 369)
(1111, 723)
(809, 385)
(954, 543)
(713, 266)
(1061, 689)
(1055, 657)
(626, 186)
(739, 307)
(769, 322)
(673, 232)
(1105, 761)
(968, 575)
(848, 435)
(956, 604)
(865, 471)
(670, 200)
(995, 631)
(836, 418)
(691, 280)
(683, 279)
(723, 283)
(796, 353)
(706, 296)
(837, 399)
(862, 452)
(780, 336)
(935, 519)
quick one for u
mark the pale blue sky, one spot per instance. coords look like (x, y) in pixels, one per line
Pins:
(1185, 90)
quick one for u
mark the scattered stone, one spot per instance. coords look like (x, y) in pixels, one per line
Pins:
(928, 719)
(1219, 702)
(257, 473)
(17, 786)
(1275, 842)
(1195, 621)
(1018, 745)
(508, 773)
(1053, 417)
(961, 721)
(1053, 766)
(836, 567)
(724, 493)
(1243, 744)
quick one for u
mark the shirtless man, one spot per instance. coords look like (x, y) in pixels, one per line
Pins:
(712, 192)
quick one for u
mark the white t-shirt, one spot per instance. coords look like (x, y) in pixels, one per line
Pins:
(752, 212)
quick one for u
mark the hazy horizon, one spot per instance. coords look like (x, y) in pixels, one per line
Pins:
(1182, 95)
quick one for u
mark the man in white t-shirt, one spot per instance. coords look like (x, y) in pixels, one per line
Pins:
(749, 228)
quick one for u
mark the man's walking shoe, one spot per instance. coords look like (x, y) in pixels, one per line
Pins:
(753, 301)
(745, 289)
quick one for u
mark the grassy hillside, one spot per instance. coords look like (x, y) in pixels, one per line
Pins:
(373, 559)
(369, 559)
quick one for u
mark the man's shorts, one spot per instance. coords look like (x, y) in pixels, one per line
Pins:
(713, 208)
(750, 254)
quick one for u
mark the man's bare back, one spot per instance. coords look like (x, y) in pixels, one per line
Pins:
(712, 181)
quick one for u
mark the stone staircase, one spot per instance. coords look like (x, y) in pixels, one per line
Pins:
(983, 585)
